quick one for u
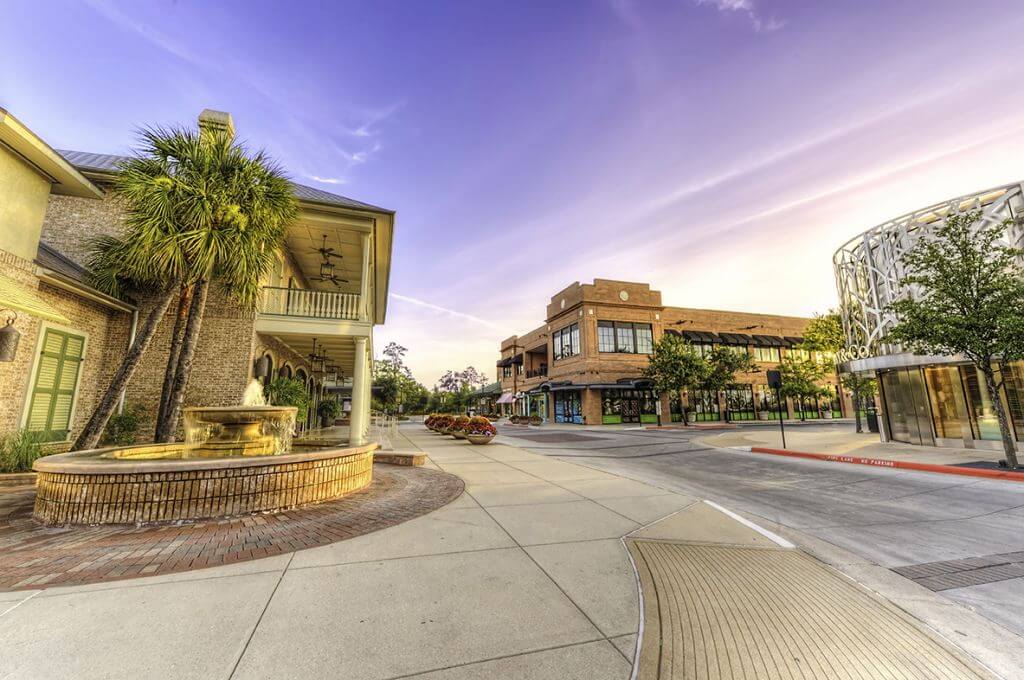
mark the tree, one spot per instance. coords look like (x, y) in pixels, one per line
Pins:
(676, 365)
(801, 379)
(229, 211)
(965, 287)
(825, 334)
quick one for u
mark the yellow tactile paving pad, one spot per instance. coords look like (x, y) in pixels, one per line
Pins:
(732, 612)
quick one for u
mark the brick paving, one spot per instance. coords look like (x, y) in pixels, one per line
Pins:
(33, 556)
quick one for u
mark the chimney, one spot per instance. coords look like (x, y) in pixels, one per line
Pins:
(216, 120)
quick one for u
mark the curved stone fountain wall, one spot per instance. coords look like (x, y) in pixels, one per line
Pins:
(157, 483)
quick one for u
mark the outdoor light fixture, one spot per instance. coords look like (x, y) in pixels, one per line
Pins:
(262, 367)
(9, 337)
(326, 269)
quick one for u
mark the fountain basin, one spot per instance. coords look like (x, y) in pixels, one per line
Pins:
(164, 483)
(216, 431)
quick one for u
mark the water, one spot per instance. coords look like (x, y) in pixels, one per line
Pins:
(253, 395)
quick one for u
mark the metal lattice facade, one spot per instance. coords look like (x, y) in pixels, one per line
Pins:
(869, 271)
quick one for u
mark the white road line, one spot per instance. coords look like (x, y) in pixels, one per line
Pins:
(775, 538)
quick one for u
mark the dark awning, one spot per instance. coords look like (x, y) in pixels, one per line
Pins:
(502, 363)
(735, 338)
(703, 337)
(559, 386)
(518, 360)
(792, 340)
(770, 341)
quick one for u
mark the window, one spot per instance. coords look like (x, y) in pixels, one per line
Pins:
(739, 399)
(799, 353)
(56, 382)
(703, 406)
(625, 337)
(506, 371)
(703, 348)
(767, 354)
(628, 406)
(568, 407)
(566, 342)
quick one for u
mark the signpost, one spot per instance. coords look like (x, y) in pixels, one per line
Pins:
(775, 382)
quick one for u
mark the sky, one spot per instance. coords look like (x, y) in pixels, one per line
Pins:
(720, 150)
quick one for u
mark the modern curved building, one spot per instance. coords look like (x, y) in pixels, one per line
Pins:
(930, 400)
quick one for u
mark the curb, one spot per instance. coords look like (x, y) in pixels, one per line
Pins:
(903, 465)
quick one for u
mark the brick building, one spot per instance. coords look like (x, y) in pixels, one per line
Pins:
(73, 337)
(585, 363)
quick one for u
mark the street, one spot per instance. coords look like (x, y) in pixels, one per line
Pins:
(900, 520)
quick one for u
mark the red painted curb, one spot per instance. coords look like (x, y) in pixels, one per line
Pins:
(903, 465)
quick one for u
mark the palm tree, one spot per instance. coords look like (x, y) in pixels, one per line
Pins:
(233, 211)
(197, 207)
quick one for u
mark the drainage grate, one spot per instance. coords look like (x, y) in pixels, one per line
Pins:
(962, 573)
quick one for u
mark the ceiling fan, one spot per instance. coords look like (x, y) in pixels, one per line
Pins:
(327, 267)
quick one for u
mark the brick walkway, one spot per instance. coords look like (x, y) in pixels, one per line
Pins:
(32, 556)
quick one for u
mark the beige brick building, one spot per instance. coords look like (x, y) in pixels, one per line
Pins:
(585, 363)
(72, 337)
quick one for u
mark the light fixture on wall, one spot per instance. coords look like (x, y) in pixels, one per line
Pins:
(9, 337)
(317, 360)
(262, 367)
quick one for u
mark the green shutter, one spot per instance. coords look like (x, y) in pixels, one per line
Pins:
(56, 381)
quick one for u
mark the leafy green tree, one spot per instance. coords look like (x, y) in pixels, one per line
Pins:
(675, 365)
(289, 392)
(967, 290)
(801, 379)
(825, 334)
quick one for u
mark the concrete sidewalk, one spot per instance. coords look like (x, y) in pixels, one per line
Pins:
(524, 576)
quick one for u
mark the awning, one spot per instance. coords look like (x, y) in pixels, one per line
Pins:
(736, 339)
(517, 360)
(559, 386)
(502, 363)
(703, 337)
(792, 340)
(17, 297)
(506, 398)
(770, 341)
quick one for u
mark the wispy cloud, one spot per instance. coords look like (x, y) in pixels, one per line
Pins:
(370, 119)
(443, 310)
(327, 180)
(759, 23)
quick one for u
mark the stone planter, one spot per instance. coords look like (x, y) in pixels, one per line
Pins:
(458, 434)
(827, 415)
(479, 438)
(762, 415)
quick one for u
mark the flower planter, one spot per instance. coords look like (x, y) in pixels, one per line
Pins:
(458, 434)
(479, 438)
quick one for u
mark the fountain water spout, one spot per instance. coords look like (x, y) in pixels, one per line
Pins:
(253, 395)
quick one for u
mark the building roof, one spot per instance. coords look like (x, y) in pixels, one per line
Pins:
(31, 148)
(49, 258)
(108, 163)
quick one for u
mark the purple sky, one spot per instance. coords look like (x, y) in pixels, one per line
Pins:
(719, 149)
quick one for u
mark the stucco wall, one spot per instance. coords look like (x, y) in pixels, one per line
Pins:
(23, 193)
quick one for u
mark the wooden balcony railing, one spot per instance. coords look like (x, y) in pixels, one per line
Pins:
(314, 304)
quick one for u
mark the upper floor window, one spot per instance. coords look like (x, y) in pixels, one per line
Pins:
(767, 354)
(799, 353)
(566, 342)
(625, 337)
(506, 371)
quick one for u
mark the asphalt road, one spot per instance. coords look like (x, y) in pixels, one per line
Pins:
(894, 518)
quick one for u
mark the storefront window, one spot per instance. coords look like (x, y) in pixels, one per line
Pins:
(628, 406)
(605, 336)
(1014, 386)
(947, 397)
(704, 406)
(740, 401)
(675, 406)
(768, 402)
(984, 422)
(907, 408)
(568, 407)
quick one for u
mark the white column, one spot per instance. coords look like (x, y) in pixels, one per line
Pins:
(364, 281)
(359, 417)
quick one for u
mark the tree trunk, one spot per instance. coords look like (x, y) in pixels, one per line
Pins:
(184, 368)
(856, 409)
(1009, 446)
(90, 436)
(184, 302)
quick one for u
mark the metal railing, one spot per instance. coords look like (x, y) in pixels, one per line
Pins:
(537, 373)
(316, 304)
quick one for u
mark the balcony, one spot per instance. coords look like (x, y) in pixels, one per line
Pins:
(310, 304)
(541, 372)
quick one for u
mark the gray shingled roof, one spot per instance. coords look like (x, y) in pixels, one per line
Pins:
(49, 258)
(104, 162)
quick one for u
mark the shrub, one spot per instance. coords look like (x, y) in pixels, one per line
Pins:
(289, 392)
(443, 422)
(122, 427)
(329, 409)
(460, 423)
(19, 450)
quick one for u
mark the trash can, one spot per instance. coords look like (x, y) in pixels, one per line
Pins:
(872, 417)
